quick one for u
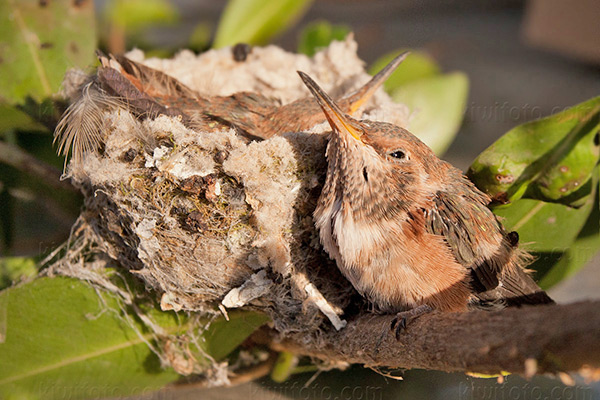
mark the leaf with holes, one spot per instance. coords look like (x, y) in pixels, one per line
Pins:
(41, 40)
(549, 159)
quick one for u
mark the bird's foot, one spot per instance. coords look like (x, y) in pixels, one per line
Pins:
(402, 319)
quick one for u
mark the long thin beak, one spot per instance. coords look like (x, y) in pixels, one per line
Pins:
(366, 92)
(339, 121)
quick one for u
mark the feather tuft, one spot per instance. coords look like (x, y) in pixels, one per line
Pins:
(79, 130)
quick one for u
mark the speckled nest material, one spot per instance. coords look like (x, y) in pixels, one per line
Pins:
(212, 220)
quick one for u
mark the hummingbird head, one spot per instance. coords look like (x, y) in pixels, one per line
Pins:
(375, 167)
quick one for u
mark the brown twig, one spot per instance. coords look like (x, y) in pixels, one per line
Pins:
(244, 376)
(15, 157)
(524, 340)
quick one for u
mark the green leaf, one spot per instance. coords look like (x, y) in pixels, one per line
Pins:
(579, 253)
(548, 159)
(319, 34)
(13, 269)
(13, 118)
(257, 21)
(438, 104)
(223, 336)
(546, 172)
(543, 226)
(134, 15)
(562, 238)
(200, 37)
(416, 66)
(41, 39)
(64, 339)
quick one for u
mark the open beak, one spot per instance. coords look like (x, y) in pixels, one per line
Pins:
(339, 121)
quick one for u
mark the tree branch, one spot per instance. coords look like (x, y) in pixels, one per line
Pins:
(557, 337)
(17, 158)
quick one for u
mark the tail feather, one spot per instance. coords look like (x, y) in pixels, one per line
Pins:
(514, 287)
(517, 288)
(155, 83)
(79, 130)
(247, 111)
(122, 83)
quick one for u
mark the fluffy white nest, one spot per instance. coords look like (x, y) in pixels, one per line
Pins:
(210, 220)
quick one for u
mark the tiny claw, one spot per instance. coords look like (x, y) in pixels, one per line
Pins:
(398, 325)
(402, 319)
(393, 324)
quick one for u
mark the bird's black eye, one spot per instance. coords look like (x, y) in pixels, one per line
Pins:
(399, 154)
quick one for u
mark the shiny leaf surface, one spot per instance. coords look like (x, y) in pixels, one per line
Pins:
(63, 339)
(257, 21)
(579, 253)
(548, 159)
(544, 226)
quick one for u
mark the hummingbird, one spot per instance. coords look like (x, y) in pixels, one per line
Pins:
(407, 229)
(263, 117)
(148, 93)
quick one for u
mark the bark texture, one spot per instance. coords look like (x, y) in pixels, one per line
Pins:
(524, 340)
